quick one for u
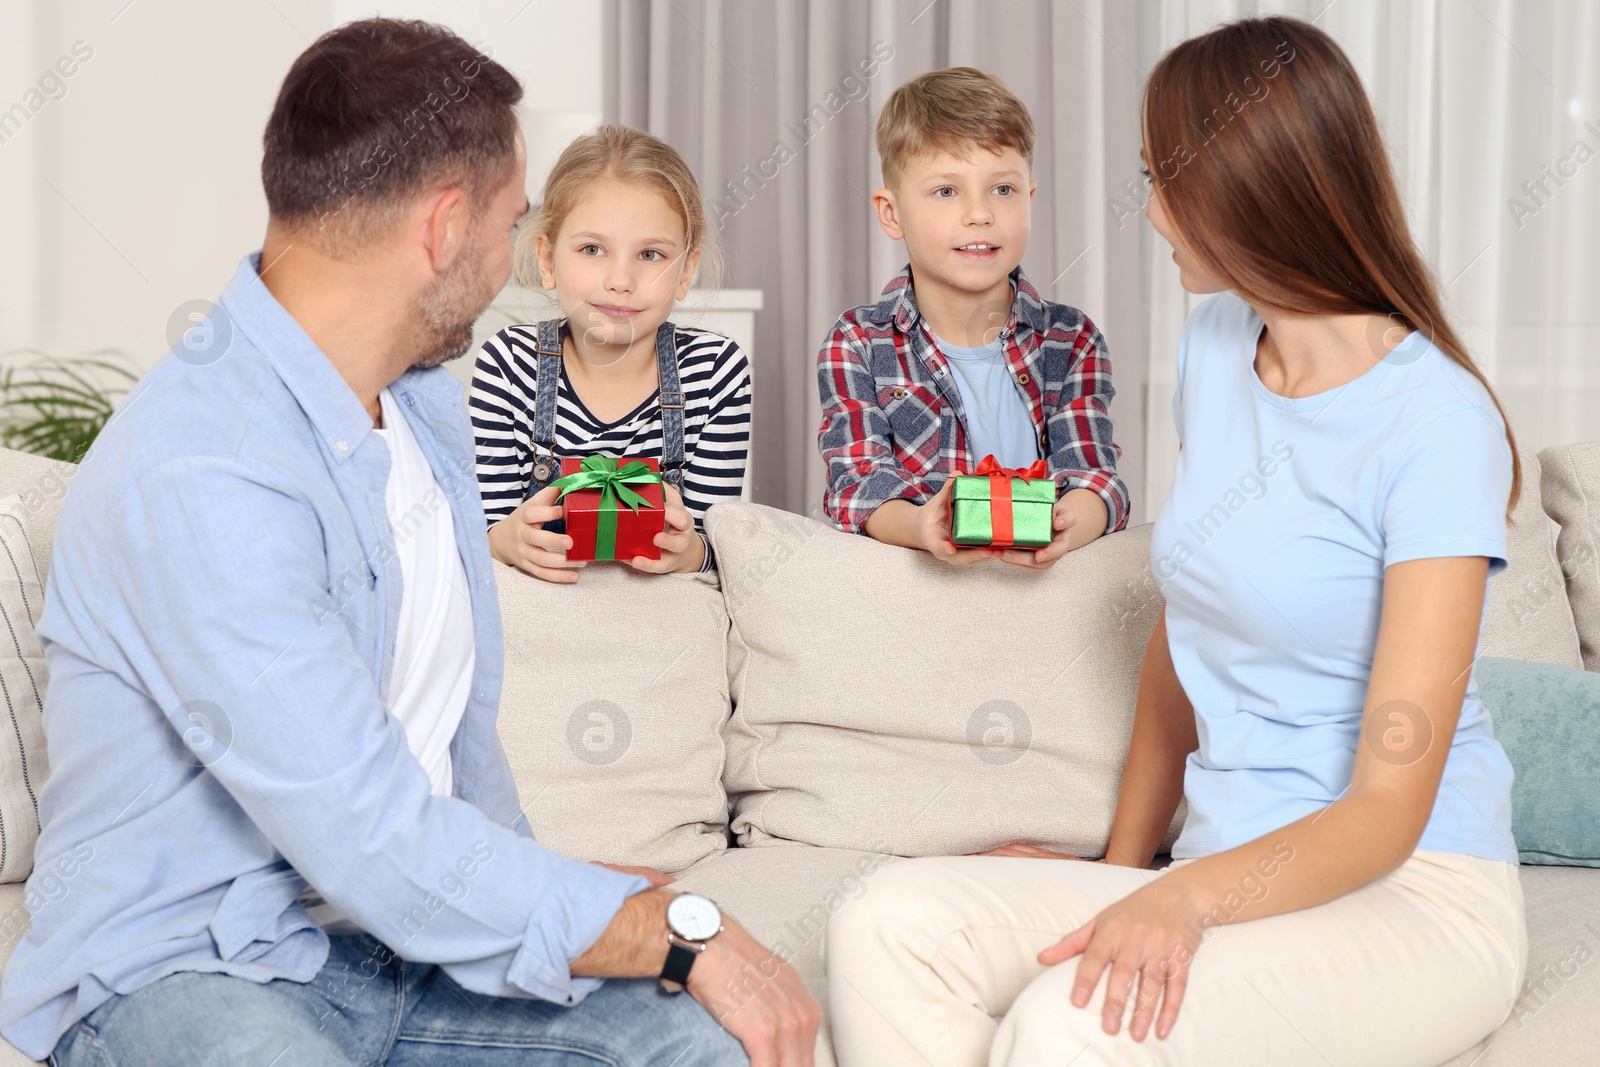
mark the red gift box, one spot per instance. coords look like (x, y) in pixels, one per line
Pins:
(635, 528)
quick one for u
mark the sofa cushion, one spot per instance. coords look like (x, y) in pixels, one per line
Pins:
(784, 897)
(1571, 486)
(781, 894)
(23, 762)
(884, 698)
(1548, 721)
(13, 924)
(1528, 616)
(1553, 1021)
(611, 713)
(41, 483)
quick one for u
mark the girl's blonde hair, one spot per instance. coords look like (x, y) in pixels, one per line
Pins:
(629, 155)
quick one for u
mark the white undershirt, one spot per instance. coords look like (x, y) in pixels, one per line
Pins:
(434, 649)
(434, 652)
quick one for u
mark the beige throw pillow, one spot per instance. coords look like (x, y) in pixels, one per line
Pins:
(24, 765)
(611, 713)
(1528, 615)
(1571, 480)
(886, 701)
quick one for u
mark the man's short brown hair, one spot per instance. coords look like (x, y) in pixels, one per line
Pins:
(377, 112)
(953, 110)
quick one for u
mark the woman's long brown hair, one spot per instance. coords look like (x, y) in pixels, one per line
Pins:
(1265, 152)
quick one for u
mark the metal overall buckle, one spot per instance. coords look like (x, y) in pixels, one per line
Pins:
(545, 468)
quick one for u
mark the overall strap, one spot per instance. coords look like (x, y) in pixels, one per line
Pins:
(546, 468)
(671, 401)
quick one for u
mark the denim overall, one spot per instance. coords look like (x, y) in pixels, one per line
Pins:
(547, 467)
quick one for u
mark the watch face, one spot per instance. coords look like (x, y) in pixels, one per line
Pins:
(693, 918)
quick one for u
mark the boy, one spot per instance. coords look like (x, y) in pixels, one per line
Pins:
(960, 357)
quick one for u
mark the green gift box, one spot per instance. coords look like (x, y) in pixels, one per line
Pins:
(998, 507)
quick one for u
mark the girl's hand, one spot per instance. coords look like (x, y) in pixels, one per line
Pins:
(681, 547)
(657, 879)
(1022, 851)
(520, 540)
(1149, 935)
(933, 531)
(1062, 520)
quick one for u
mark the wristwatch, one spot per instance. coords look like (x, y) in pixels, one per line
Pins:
(691, 922)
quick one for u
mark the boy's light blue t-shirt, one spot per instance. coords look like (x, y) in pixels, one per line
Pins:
(998, 422)
(1271, 549)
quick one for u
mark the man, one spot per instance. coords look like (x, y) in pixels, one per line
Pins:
(293, 834)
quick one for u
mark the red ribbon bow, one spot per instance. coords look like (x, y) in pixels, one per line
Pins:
(990, 466)
(1000, 504)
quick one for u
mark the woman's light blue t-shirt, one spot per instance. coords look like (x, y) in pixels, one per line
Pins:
(997, 419)
(1271, 549)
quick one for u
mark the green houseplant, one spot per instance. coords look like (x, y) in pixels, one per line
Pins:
(55, 407)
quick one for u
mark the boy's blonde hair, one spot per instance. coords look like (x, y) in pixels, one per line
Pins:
(629, 155)
(952, 110)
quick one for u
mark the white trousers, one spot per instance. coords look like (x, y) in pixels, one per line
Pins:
(936, 965)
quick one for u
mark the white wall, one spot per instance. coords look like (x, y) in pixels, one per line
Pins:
(138, 188)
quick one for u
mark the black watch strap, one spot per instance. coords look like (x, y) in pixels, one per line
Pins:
(675, 972)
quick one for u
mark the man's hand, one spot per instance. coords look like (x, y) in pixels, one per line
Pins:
(681, 547)
(749, 989)
(656, 878)
(520, 540)
(758, 998)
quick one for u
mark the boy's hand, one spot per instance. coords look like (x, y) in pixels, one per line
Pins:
(933, 531)
(520, 540)
(1062, 520)
(681, 547)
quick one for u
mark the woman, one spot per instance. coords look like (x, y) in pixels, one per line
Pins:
(1345, 888)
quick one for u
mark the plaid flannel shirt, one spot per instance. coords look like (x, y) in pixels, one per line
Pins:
(893, 425)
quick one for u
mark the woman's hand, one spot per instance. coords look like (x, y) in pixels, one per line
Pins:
(1149, 936)
(520, 540)
(1024, 851)
(657, 878)
(681, 547)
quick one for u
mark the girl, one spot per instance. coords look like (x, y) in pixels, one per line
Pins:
(1345, 889)
(618, 235)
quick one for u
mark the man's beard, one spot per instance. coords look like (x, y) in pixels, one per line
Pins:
(445, 312)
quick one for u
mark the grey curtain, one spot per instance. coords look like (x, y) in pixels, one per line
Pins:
(772, 104)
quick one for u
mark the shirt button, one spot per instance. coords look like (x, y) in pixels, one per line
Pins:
(342, 446)
(1022, 378)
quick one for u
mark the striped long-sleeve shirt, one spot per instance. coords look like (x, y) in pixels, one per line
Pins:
(892, 417)
(715, 379)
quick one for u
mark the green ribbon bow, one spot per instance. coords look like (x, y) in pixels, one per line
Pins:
(614, 483)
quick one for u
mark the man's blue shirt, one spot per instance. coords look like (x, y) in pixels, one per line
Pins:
(219, 628)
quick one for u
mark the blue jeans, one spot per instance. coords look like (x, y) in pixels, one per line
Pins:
(367, 1006)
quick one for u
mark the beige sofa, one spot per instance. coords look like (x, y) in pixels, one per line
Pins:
(832, 703)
